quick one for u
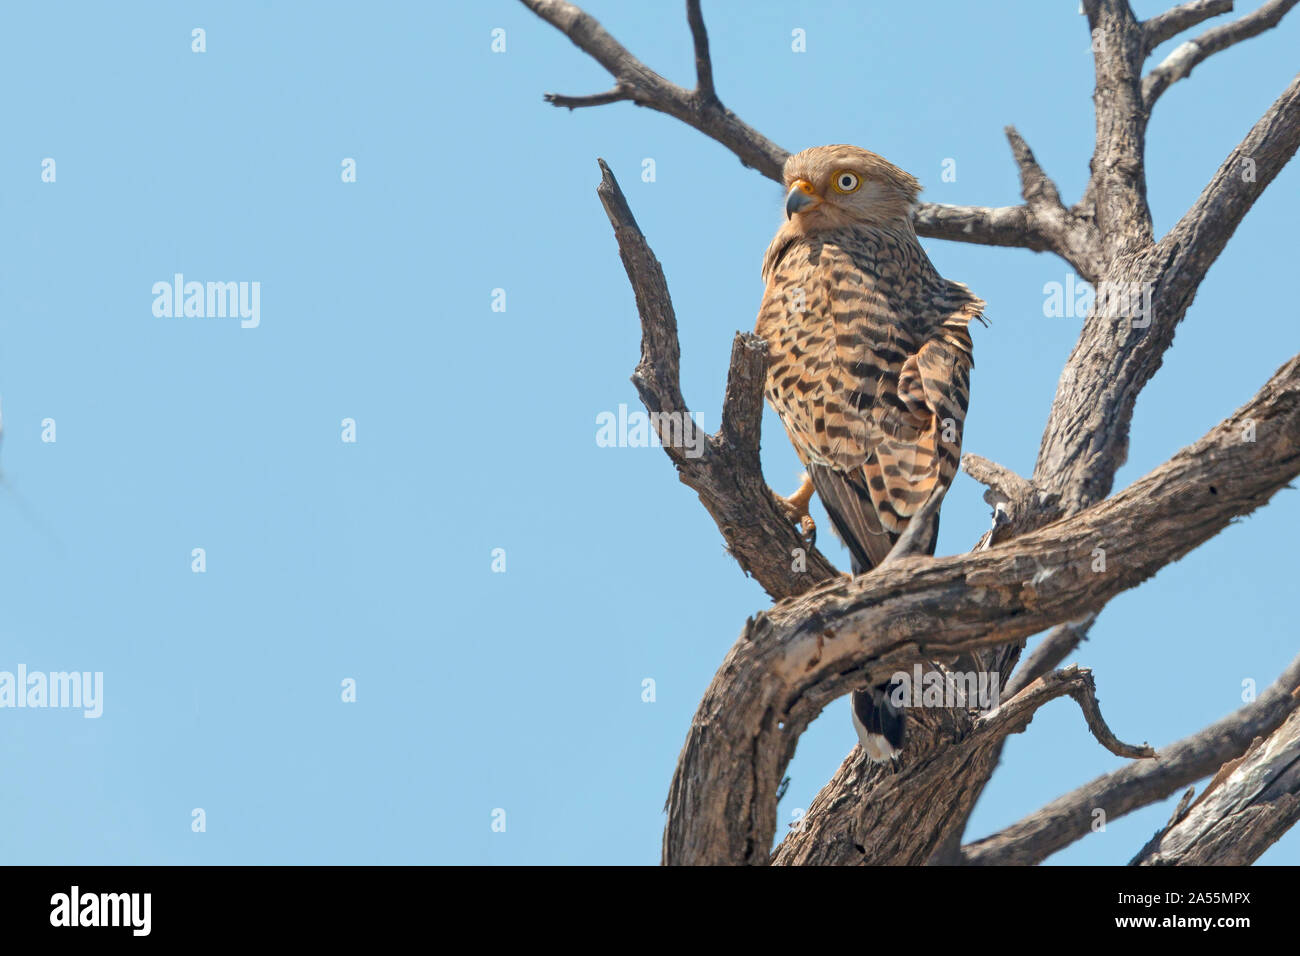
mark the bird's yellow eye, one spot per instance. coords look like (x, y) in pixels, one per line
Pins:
(845, 181)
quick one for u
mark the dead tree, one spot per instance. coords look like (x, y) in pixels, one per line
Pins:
(828, 633)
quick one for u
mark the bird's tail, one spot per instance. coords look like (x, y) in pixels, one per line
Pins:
(880, 725)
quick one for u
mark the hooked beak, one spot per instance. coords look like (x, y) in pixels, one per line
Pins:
(800, 197)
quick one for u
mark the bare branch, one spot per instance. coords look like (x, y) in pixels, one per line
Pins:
(1167, 25)
(1119, 350)
(1180, 811)
(703, 63)
(1195, 242)
(1013, 227)
(1010, 226)
(1051, 651)
(617, 94)
(1117, 188)
(1079, 684)
(1018, 506)
(645, 87)
(742, 405)
(1085, 694)
(1003, 483)
(1086, 438)
(1107, 237)
(803, 653)
(1241, 813)
(723, 468)
(1181, 61)
(1070, 817)
(1036, 186)
(839, 829)
(1074, 238)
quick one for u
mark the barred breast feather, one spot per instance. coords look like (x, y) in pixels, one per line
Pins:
(870, 360)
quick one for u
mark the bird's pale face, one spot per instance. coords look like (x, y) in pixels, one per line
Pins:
(829, 187)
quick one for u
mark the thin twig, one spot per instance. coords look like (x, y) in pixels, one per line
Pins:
(1132, 787)
(1011, 226)
(703, 62)
(1181, 61)
(1167, 25)
(617, 94)
(1078, 683)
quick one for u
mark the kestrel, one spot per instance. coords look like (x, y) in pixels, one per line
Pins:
(870, 360)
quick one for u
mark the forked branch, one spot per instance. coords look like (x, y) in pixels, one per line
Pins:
(794, 659)
(724, 467)
(700, 108)
(776, 679)
(1130, 788)
(1179, 64)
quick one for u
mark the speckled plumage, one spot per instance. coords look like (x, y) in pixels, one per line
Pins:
(870, 351)
(870, 359)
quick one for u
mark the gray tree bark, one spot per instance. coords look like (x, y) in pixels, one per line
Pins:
(1037, 567)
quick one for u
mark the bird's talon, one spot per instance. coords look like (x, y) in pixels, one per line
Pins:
(809, 528)
(796, 509)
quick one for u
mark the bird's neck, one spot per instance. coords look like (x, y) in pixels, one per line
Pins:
(796, 229)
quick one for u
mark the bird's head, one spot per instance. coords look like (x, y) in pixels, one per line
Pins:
(830, 187)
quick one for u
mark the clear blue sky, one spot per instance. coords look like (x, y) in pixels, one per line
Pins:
(476, 429)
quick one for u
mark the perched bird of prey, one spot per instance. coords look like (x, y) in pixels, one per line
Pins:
(870, 360)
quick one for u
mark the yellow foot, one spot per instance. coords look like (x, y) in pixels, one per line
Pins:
(796, 508)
